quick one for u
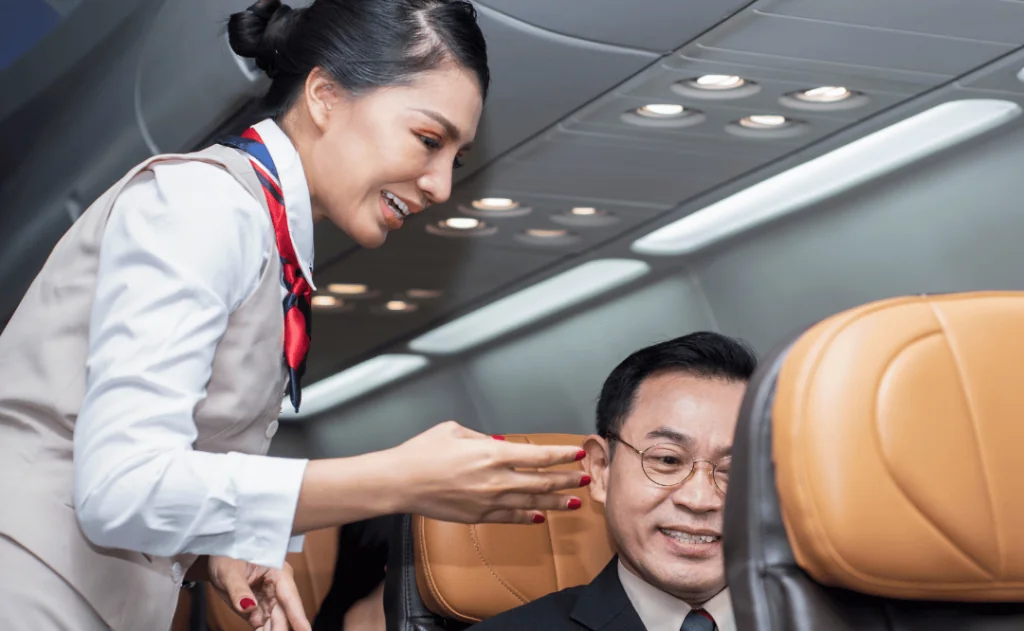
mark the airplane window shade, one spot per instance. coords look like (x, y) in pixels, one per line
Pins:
(860, 161)
(529, 305)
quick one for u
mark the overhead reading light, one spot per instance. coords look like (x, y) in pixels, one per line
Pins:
(860, 161)
(530, 305)
(347, 289)
(825, 98)
(660, 110)
(763, 121)
(663, 115)
(716, 87)
(461, 227)
(824, 94)
(546, 233)
(547, 237)
(326, 302)
(352, 383)
(399, 306)
(585, 217)
(495, 203)
(718, 82)
(766, 127)
(497, 207)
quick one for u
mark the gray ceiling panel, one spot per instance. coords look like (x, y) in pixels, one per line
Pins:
(852, 45)
(190, 34)
(653, 25)
(462, 271)
(1006, 75)
(982, 20)
(526, 63)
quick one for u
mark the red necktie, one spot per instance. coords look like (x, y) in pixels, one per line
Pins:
(297, 316)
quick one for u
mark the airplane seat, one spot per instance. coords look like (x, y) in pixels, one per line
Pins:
(878, 477)
(444, 575)
(314, 571)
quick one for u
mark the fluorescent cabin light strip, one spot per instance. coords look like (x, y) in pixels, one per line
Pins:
(530, 305)
(349, 384)
(862, 160)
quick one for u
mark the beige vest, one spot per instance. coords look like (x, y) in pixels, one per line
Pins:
(42, 383)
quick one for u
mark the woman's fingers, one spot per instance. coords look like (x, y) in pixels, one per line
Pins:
(289, 605)
(545, 482)
(528, 456)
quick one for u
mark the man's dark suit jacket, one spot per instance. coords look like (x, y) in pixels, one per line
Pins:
(600, 606)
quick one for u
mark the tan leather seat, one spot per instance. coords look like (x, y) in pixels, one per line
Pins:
(314, 570)
(878, 478)
(442, 574)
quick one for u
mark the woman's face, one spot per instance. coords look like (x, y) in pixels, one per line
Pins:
(380, 157)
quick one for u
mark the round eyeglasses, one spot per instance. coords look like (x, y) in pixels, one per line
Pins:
(670, 464)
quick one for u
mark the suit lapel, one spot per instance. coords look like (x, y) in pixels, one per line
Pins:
(604, 605)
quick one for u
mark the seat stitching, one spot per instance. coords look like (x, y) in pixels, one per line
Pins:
(479, 553)
(976, 431)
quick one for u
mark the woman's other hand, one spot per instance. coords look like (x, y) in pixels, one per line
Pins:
(259, 595)
(456, 474)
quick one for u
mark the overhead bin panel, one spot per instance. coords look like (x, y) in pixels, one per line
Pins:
(654, 25)
(188, 78)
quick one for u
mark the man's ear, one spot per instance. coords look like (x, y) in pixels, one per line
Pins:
(597, 464)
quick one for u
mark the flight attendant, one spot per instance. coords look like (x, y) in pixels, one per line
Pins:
(142, 374)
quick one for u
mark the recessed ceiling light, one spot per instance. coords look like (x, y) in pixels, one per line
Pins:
(461, 227)
(718, 82)
(838, 171)
(354, 382)
(461, 223)
(763, 121)
(716, 87)
(495, 203)
(347, 289)
(399, 306)
(547, 233)
(824, 94)
(584, 211)
(660, 110)
(423, 294)
(585, 217)
(326, 302)
(529, 305)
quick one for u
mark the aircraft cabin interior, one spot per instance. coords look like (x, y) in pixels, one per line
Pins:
(642, 170)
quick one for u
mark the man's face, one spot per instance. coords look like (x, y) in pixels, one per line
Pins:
(654, 526)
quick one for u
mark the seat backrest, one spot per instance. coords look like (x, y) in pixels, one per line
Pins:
(444, 575)
(314, 569)
(877, 476)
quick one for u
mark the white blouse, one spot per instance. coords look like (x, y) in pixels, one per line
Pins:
(175, 272)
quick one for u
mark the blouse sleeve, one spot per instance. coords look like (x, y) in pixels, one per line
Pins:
(183, 248)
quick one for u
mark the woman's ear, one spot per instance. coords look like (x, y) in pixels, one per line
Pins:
(322, 96)
(597, 464)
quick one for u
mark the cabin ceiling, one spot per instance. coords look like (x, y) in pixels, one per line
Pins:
(117, 81)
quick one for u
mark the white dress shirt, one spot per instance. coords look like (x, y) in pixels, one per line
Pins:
(185, 245)
(660, 611)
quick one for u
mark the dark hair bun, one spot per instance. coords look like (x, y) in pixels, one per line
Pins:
(261, 31)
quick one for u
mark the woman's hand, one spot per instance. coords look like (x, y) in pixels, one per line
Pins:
(456, 474)
(268, 599)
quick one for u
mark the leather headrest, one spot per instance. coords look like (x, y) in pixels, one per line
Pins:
(898, 436)
(472, 572)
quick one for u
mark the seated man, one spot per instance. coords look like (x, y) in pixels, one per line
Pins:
(660, 466)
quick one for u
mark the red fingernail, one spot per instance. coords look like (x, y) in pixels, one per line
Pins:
(538, 519)
(246, 603)
(575, 503)
(585, 480)
(581, 455)
(497, 437)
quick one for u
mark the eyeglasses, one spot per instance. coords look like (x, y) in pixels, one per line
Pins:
(669, 464)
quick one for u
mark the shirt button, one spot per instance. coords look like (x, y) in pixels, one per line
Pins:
(272, 429)
(176, 574)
